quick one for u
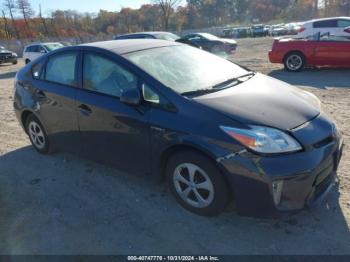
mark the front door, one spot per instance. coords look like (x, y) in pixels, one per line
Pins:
(111, 131)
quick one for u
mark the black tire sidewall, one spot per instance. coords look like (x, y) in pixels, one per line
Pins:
(46, 149)
(221, 191)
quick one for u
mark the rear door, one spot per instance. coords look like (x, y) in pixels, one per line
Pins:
(55, 88)
(112, 132)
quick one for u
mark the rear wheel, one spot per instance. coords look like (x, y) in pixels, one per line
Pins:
(37, 135)
(197, 184)
(294, 62)
(27, 61)
(15, 62)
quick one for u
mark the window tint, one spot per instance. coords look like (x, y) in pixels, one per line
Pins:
(33, 48)
(37, 70)
(325, 23)
(343, 23)
(61, 69)
(105, 76)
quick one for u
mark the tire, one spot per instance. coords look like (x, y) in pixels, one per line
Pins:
(27, 61)
(213, 192)
(294, 62)
(15, 62)
(37, 135)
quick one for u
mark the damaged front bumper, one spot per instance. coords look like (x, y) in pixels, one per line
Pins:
(270, 186)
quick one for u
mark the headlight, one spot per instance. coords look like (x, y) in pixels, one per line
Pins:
(263, 139)
(14, 54)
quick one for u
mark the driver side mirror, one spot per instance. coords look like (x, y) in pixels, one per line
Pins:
(131, 97)
(43, 51)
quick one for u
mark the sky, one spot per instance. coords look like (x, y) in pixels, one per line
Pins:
(86, 5)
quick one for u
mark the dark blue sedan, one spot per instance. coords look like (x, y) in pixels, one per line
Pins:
(213, 129)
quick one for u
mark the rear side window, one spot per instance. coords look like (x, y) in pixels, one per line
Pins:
(343, 23)
(61, 69)
(325, 24)
(105, 76)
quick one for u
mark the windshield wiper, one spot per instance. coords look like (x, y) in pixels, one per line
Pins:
(232, 81)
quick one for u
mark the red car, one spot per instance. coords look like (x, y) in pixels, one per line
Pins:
(324, 50)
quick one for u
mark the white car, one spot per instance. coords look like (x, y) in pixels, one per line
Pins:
(337, 26)
(33, 51)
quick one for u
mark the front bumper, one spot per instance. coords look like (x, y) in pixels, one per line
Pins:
(8, 59)
(307, 178)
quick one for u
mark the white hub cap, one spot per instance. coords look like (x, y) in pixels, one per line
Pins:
(193, 185)
(37, 135)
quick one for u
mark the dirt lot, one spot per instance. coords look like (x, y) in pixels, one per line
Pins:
(61, 204)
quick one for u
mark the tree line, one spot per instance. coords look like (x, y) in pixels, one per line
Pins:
(20, 21)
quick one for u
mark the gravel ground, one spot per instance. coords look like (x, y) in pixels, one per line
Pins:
(62, 204)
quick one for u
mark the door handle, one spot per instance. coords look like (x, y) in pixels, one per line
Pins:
(84, 109)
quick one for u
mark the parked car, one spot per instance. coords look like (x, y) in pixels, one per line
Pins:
(278, 30)
(213, 129)
(7, 56)
(210, 43)
(335, 25)
(149, 35)
(33, 51)
(321, 50)
(258, 30)
(241, 32)
(292, 28)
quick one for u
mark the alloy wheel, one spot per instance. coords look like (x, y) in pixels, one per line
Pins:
(294, 62)
(193, 185)
(37, 135)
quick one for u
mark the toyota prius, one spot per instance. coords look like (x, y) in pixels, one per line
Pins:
(214, 130)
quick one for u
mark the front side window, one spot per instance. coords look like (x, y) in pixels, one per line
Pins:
(105, 76)
(184, 68)
(61, 69)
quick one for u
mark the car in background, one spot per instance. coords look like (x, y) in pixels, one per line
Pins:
(258, 30)
(7, 56)
(278, 30)
(149, 35)
(321, 50)
(33, 51)
(292, 28)
(209, 42)
(241, 32)
(215, 131)
(337, 26)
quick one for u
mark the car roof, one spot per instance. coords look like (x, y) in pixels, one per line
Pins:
(130, 45)
(39, 43)
(145, 33)
(328, 18)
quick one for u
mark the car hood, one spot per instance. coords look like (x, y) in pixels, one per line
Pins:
(5, 51)
(266, 101)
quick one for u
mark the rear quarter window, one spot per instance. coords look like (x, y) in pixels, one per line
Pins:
(325, 24)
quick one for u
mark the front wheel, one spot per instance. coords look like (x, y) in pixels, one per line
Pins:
(294, 62)
(37, 135)
(197, 184)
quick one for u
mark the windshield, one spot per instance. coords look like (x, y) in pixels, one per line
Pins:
(209, 36)
(167, 36)
(184, 68)
(53, 46)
